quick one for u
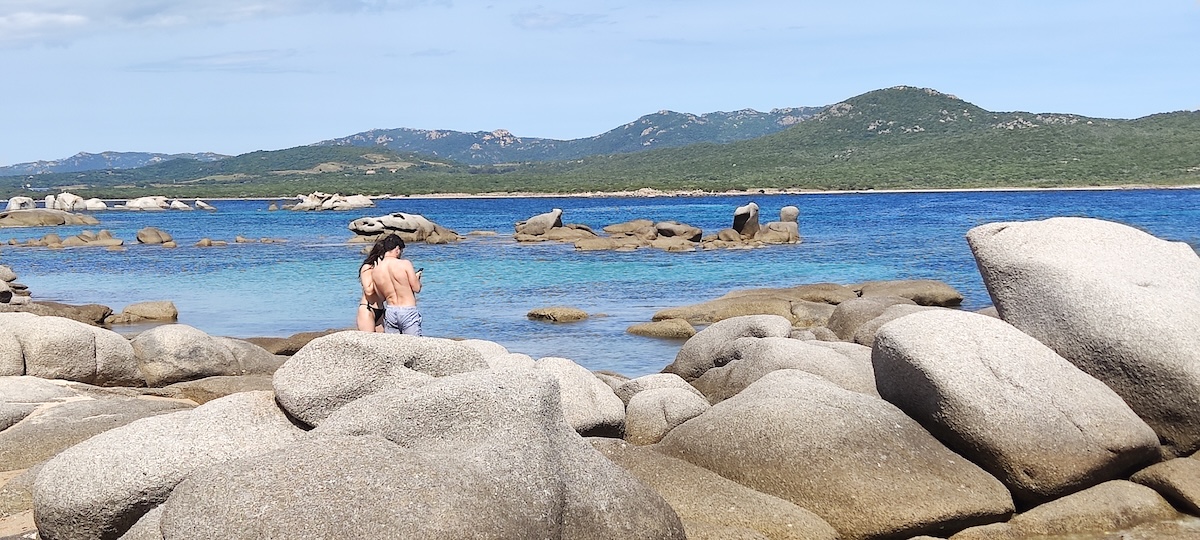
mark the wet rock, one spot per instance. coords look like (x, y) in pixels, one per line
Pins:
(557, 314)
(668, 328)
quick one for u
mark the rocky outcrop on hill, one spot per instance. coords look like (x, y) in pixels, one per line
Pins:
(409, 227)
(666, 235)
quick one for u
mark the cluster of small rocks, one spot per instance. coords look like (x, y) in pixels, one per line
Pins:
(69, 202)
(12, 292)
(318, 201)
(1071, 412)
(409, 227)
(745, 232)
(42, 217)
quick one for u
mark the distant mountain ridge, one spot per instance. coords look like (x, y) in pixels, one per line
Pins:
(84, 161)
(664, 129)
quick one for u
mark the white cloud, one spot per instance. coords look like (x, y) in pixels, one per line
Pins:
(24, 22)
(553, 20)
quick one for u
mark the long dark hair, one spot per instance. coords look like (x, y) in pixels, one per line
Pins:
(381, 247)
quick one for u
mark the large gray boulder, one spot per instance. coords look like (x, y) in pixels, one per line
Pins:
(865, 334)
(745, 220)
(1111, 506)
(703, 497)
(853, 313)
(1177, 480)
(855, 460)
(484, 454)
(333, 370)
(540, 224)
(1118, 303)
(34, 390)
(59, 348)
(589, 405)
(755, 357)
(712, 346)
(653, 413)
(52, 429)
(627, 389)
(172, 353)
(1009, 403)
(102, 486)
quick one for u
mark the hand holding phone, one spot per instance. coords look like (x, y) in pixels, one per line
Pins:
(419, 270)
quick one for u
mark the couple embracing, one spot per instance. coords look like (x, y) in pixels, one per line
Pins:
(390, 285)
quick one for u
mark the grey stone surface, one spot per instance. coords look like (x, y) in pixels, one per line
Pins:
(865, 334)
(177, 352)
(249, 358)
(1178, 480)
(1111, 506)
(59, 348)
(1118, 303)
(11, 413)
(99, 488)
(484, 454)
(628, 388)
(336, 369)
(704, 497)
(589, 405)
(146, 528)
(853, 459)
(755, 357)
(30, 389)
(1009, 403)
(711, 347)
(667, 328)
(210, 388)
(12, 361)
(925, 292)
(653, 413)
(56, 427)
(511, 360)
(853, 313)
(488, 349)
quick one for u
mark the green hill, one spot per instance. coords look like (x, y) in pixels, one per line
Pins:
(899, 137)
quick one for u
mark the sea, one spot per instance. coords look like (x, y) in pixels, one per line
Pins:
(484, 286)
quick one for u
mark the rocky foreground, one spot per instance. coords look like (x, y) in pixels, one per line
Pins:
(1071, 411)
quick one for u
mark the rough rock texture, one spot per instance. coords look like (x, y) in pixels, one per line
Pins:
(334, 370)
(32, 390)
(163, 310)
(557, 314)
(41, 217)
(851, 314)
(102, 486)
(627, 389)
(409, 227)
(1110, 506)
(589, 405)
(668, 328)
(153, 235)
(982, 387)
(209, 388)
(54, 428)
(752, 358)
(1178, 480)
(702, 496)
(540, 224)
(1118, 303)
(711, 347)
(58, 348)
(653, 413)
(855, 460)
(745, 220)
(483, 455)
(925, 292)
(865, 334)
(177, 352)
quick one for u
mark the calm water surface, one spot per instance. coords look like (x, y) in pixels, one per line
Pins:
(483, 287)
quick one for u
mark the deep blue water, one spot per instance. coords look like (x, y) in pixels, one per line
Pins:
(484, 286)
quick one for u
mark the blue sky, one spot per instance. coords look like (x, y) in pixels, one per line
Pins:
(234, 76)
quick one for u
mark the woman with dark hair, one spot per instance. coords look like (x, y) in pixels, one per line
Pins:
(370, 306)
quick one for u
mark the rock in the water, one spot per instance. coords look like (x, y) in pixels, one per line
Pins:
(1009, 403)
(853, 459)
(1118, 303)
(557, 314)
(925, 292)
(153, 235)
(667, 328)
(853, 313)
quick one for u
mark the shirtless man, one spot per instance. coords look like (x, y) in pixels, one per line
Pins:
(398, 284)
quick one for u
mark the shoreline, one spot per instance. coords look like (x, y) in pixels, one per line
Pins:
(648, 192)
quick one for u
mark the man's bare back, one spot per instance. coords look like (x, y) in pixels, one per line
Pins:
(396, 281)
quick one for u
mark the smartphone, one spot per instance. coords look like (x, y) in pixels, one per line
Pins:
(419, 270)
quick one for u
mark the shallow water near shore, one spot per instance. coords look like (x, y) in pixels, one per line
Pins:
(483, 287)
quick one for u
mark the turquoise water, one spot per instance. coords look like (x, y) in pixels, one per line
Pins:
(483, 287)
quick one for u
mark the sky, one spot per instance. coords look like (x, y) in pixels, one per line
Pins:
(235, 76)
